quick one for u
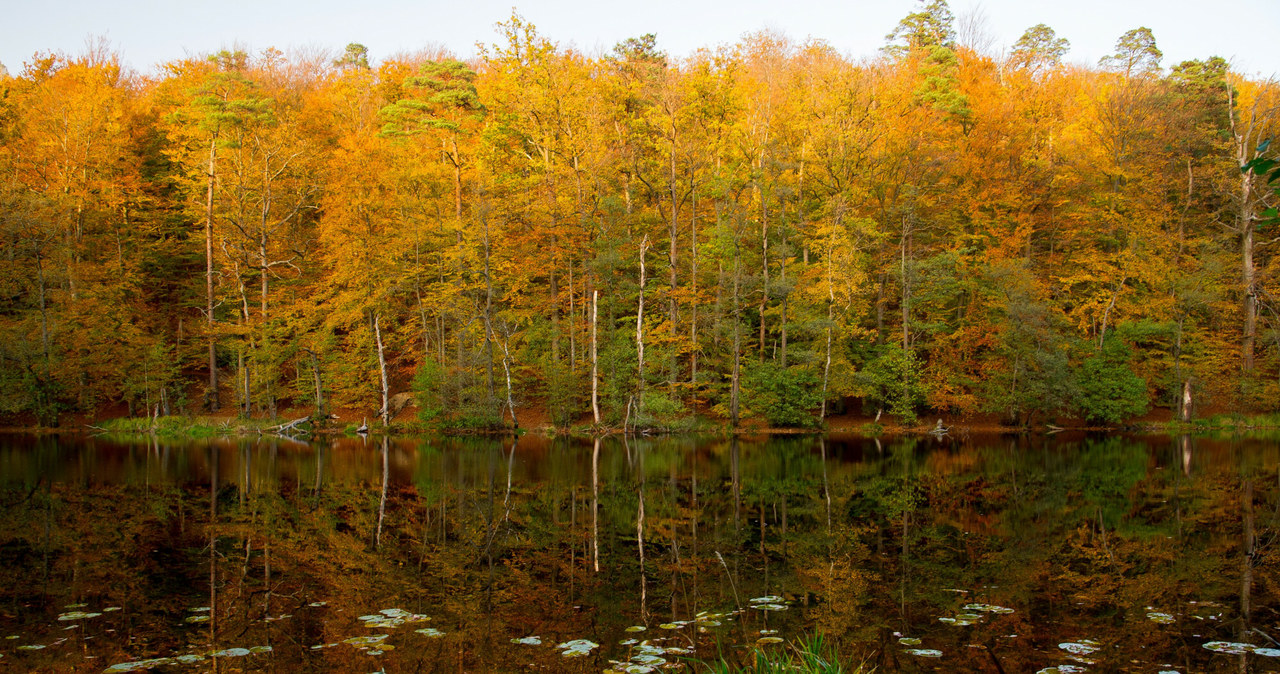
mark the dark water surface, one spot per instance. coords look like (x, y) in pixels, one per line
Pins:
(1005, 554)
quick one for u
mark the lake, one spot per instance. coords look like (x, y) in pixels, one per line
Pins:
(984, 553)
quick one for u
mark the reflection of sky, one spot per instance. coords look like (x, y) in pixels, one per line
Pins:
(149, 32)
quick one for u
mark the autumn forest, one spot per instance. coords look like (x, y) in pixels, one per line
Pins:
(766, 232)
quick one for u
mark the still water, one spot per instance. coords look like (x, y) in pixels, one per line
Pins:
(1000, 554)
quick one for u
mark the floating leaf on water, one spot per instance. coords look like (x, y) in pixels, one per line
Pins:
(576, 648)
(1267, 652)
(767, 599)
(370, 618)
(318, 604)
(676, 650)
(374, 652)
(650, 660)
(30, 647)
(1082, 647)
(13, 636)
(431, 632)
(768, 631)
(1162, 618)
(627, 642)
(395, 613)
(361, 642)
(955, 621)
(968, 616)
(710, 623)
(637, 669)
(1229, 647)
(110, 609)
(925, 652)
(76, 605)
(988, 608)
(672, 626)
(231, 653)
(636, 628)
(78, 615)
(528, 641)
(140, 665)
(1061, 669)
(769, 607)
(769, 640)
(200, 609)
(909, 641)
(260, 649)
(189, 659)
(197, 619)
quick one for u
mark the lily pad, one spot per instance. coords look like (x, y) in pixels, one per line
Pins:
(1267, 652)
(909, 641)
(576, 648)
(200, 609)
(197, 619)
(767, 599)
(988, 608)
(649, 660)
(769, 607)
(1062, 669)
(769, 640)
(260, 649)
(140, 665)
(528, 641)
(1229, 647)
(31, 647)
(636, 628)
(231, 653)
(77, 615)
(364, 642)
(318, 604)
(1082, 647)
(190, 659)
(110, 609)
(925, 652)
(76, 605)
(1162, 618)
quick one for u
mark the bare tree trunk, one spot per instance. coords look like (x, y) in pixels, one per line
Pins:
(488, 311)
(737, 337)
(506, 369)
(315, 371)
(385, 412)
(1250, 295)
(595, 363)
(212, 395)
(644, 247)
(693, 280)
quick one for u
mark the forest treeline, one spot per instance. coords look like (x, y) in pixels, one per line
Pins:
(765, 230)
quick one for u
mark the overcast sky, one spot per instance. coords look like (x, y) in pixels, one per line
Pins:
(148, 32)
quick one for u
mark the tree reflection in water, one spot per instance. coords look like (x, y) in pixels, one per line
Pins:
(1003, 554)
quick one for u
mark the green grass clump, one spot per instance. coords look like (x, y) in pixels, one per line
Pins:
(811, 655)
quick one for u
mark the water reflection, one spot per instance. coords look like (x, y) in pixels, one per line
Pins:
(991, 554)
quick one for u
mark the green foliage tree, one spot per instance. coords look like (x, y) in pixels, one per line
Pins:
(892, 381)
(785, 397)
(1109, 390)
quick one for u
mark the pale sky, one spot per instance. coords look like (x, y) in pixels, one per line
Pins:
(149, 32)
